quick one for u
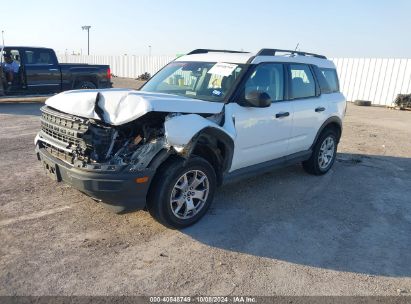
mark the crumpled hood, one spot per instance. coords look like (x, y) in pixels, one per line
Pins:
(120, 106)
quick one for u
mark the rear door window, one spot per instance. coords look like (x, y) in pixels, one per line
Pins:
(39, 57)
(302, 81)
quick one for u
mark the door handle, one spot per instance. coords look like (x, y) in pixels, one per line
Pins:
(282, 114)
(319, 109)
(53, 70)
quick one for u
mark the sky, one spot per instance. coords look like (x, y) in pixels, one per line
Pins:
(350, 28)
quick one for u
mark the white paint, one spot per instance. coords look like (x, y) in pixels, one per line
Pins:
(122, 105)
(179, 130)
(260, 136)
(307, 122)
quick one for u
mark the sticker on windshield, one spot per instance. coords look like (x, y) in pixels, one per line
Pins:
(222, 69)
(216, 92)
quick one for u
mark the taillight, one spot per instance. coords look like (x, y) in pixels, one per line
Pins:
(108, 73)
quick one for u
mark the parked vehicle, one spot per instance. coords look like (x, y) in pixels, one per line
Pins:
(39, 72)
(204, 119)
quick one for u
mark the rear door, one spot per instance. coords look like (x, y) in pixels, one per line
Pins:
(309, 107)
(42, 71)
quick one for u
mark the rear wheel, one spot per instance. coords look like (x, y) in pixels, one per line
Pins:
(85, 85)
(324, 153)
(182, 192)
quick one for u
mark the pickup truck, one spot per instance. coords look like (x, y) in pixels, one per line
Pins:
(40, 72)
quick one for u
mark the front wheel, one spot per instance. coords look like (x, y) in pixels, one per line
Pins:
(324, 154)
(182, 192)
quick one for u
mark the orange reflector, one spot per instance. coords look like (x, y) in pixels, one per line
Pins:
(142, 180)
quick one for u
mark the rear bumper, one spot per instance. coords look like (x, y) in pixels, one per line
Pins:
(118, 190)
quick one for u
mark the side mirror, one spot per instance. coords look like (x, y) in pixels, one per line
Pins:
(258, 99)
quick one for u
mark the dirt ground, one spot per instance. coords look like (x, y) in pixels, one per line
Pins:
(129, 83)
(282, 233)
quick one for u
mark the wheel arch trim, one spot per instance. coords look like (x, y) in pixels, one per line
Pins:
(333, 120)
(213, 137)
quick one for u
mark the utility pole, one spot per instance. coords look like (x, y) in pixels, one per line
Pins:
(149, 51)
(87, 28)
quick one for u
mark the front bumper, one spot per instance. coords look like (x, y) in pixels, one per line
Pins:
(118, 190)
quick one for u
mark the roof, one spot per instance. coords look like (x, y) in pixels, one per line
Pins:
(255, 58)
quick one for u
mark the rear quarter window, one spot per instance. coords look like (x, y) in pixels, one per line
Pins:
(331, 77)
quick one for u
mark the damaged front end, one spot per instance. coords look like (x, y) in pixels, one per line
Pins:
(93, 145)
(109, 144)
(114, 164)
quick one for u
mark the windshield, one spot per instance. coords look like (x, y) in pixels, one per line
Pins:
(209, 81)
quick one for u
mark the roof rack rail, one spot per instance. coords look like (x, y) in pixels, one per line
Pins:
(272, 52)
(204, 51)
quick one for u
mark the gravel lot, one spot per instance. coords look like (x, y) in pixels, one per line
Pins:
(282, 233)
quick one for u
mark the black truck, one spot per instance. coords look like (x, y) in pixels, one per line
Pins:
(37, 71)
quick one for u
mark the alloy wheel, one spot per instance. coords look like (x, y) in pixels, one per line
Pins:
(327, 151)
(189, 194)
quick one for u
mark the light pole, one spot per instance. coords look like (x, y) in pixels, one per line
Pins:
(87, 28)
(149, 51)
(1, 51)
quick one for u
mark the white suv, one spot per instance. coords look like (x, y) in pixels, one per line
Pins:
(205, 118)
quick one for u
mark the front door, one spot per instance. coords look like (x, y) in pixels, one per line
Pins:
(262, 134)
(12, 78)
(42, 71)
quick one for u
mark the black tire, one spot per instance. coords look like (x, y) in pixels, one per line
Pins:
(313, 164)
(362, 103)
(85, 85)
(159, 200)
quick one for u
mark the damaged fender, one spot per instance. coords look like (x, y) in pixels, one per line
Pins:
(179, 130)
(183, 131)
